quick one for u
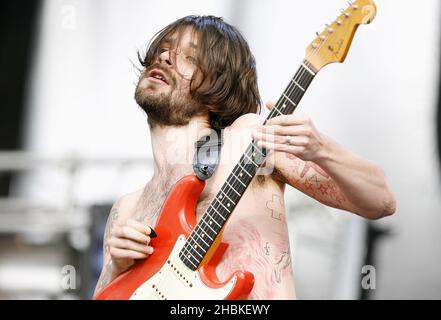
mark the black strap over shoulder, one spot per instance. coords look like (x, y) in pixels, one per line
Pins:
(207, 155)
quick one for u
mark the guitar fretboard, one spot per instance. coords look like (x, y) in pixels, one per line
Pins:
(223, 204)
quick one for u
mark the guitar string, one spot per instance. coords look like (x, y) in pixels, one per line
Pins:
(294, 83)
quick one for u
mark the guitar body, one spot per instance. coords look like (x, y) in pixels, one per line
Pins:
(163, 275)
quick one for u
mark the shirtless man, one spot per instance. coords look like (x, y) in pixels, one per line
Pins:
(199, 74)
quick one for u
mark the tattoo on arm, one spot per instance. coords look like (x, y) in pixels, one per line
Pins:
(113, 216)
(105, 276)
(315, 182)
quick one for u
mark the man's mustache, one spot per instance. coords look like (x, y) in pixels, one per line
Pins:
(167, 73)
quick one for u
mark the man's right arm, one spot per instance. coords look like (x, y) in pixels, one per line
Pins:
(124, 241)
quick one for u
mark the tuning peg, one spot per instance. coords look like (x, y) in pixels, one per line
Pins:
(330, 30)
(338, 22)
(321, 37)
(354, 6)
(345, 13)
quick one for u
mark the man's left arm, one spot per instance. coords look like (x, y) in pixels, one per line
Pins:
(318, 166)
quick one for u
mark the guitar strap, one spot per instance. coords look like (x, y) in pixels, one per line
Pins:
(207, 155)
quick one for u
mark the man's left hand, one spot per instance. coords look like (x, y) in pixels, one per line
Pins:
(293, 133)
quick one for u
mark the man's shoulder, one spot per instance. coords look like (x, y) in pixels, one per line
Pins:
(131, 197)
(126, 203)
(247, 120)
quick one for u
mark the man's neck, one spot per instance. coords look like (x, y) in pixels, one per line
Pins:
(173, 147)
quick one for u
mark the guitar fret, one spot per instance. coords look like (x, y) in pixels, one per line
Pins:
(280, 113)
(227, 196)
(212, 219)
(245, 170)
(232, 188)
(245, 154)
(307, 69)
(189, 253)
(223, 205)
(193, 250)
(202, 240)
(215, 232)
(192, 263)
(237, 178)
(295, 82)
(288, 98)
(191, 239)
(304, 79)
(205, 232)
(220, 215)
(257, 148)
(186, 259)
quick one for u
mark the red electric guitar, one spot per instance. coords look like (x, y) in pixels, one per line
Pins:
(186, 251)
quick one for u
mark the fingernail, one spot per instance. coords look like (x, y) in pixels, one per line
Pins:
(152, 233)
(151, 250)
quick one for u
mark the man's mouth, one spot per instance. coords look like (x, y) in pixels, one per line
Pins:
(157, 76)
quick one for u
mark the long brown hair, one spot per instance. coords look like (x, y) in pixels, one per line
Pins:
(225, 62)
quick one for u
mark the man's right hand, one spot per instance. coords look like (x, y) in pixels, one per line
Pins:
(129, 240)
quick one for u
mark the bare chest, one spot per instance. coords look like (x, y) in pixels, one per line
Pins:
(262, 204)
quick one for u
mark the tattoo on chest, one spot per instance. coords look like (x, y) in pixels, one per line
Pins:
(275, 206)
(266, 249)
(268, 258)
(283, 263)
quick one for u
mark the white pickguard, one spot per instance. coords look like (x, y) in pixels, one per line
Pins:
(175, 281)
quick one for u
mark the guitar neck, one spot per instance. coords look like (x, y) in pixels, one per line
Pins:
(221, 207)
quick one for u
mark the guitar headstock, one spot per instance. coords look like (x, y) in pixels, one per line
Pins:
(332, 44)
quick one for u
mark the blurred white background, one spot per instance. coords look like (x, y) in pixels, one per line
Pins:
(380, 103)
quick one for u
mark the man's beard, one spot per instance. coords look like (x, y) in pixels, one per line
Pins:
(166, 108)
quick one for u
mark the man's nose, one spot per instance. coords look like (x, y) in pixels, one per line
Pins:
(165, 57)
